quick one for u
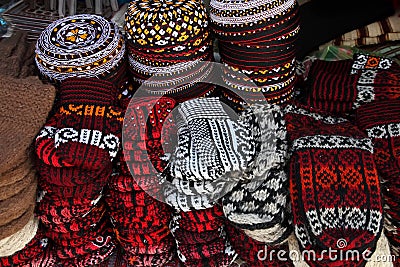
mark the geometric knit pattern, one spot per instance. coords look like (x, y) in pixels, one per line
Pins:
(84, 129)
(260, 205)
(368, 79)
(209, 161)
(381, 122)
(201, 238)
(334, 185)
(169, 41)
(257, 38)
(84, 45)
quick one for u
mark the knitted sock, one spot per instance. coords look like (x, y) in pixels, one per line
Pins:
(72, 176)
(204, 128)
(343, 93)
(128, 183)
(184, 202)
(333, 67)
(165, 245)
(89, 191)
(199, 115)
(340, 89)
(340, 155)
(260, 206)
(65, 208)
(74, 224)
(77, 239)
(144, 260)
(381, 123)
(87, 128)
(200, 251)
(363, 61)
(201, 175)
(191, 238)
(261, 203)
(134, 226)
(130, 199)
(104, 251)
(146, 137)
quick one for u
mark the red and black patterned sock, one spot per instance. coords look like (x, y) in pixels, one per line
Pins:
(87, 128)
(332, 172)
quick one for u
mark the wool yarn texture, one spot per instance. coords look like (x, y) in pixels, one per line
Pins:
(75, 150)
(341, 88)
(37, 251)
(255, 253)
(85, 129)
(380, 121)
(84, 45)
(212, 155)
(205, 242)
(167, 43)
(20, 121)
(260, 205)
(257, 39)
(339, 154)
(140, 221)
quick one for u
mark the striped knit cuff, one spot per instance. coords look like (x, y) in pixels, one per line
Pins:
(89, 91)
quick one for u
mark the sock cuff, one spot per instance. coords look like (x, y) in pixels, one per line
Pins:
(87, 91)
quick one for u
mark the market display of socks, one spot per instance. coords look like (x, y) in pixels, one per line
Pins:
(127, 157)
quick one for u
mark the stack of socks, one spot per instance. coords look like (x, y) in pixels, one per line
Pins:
(257, 39)
(140, 220)
(334, 188)
(381, 122)
(340, 87)
(259, 206)
(25, 104)
(214, 151)
(75, 150)
(168, 41)
(84, 45)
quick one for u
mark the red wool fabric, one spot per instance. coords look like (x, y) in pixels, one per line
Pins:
(87, 128)
(332, 170)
